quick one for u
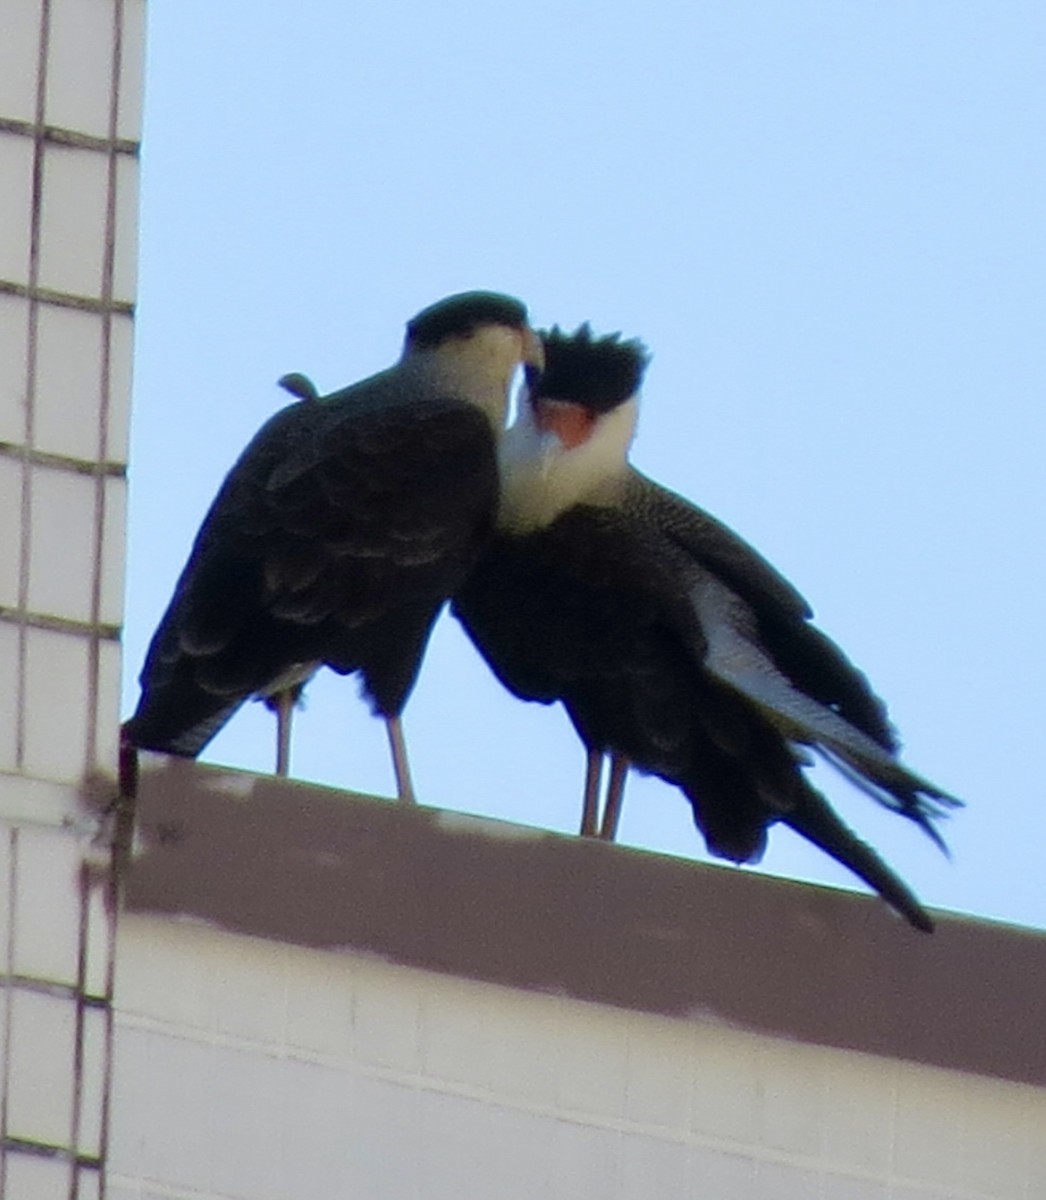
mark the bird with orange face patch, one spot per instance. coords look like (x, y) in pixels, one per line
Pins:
(672, 644)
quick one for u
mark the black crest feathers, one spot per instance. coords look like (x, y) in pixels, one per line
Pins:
(598, 372)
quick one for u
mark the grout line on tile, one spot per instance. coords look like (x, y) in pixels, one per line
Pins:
(49, 1150)
(44, 295)
(108, 270)
(32, 348)
(58, 136)
(64, 462)
(32, 620)
(120, 849)
(49, 987)
(76, 1127)
(5, 1033)
(108, 267)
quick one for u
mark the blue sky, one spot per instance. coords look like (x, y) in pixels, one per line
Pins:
(826, 221)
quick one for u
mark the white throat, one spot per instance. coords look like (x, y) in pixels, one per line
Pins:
(540, 478)
(478, 369)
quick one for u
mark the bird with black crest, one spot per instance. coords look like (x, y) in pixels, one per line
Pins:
(673, 645)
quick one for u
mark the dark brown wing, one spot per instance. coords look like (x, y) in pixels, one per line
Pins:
(591, 611)
(337, 536)
(810, 659)
(596, 611)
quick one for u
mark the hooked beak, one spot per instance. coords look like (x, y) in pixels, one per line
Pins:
(533, 350)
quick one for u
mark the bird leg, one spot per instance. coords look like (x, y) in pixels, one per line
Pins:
(615, 797)
(593, 778)
(404, 786)
(283, 702)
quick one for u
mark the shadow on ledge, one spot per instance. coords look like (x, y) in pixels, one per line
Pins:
(529, 909)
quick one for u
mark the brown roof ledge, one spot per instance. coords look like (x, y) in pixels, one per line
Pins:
(529, 909)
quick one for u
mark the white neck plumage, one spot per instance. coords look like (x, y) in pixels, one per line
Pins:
(478, 368)
(540, 478)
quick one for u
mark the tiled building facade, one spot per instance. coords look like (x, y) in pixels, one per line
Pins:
(70, 110)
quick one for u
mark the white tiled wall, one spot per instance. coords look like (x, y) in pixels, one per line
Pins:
(47, 881)
(70, 363)
(37, 1178)
(68, 203)
(14, 353)
(10, 533)
(253, 1069)
(73, 220)
(80, 65)
(16, 206)
(40, 1084)
(56, 666)
(19, 53)
(70, 104)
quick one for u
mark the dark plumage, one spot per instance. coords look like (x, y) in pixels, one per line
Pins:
(341, 530)
(282, 703)
(668, 639)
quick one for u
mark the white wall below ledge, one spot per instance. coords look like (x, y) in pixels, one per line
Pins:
(326, 995)
(250, 1068)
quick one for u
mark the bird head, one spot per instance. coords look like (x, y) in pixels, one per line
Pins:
(474, 342)
(589, 384)
(585, 378)
(575, 423)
